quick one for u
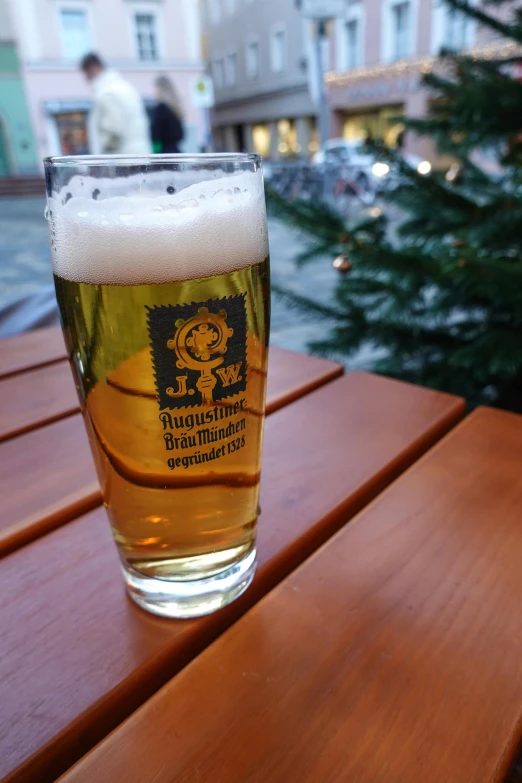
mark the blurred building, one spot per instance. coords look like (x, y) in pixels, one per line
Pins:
(140, 38)
(380, 51)
(17, 145)
(259, 52)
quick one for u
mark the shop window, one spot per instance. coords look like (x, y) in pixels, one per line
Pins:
(383, 125)
(314, 143)
(287, 138)
(72, 132)
(261, 140)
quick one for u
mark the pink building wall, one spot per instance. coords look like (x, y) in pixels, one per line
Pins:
(54, 84)
(364, 91)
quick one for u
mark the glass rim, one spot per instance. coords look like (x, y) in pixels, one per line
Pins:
(152, 159)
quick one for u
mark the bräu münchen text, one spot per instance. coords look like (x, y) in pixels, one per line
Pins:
(184, 432)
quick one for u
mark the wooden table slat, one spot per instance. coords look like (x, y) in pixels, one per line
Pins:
(76, 656)
(35, 398)
(394, 654)
(40, 396)
(47, 475)
(31, 349)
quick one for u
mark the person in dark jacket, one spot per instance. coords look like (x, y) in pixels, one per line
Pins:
(166, 117)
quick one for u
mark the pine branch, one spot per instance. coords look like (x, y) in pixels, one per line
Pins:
(305, 305)
(305, 215)
(439, 294)
(476, 12)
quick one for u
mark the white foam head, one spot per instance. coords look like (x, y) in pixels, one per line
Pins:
(155, 236)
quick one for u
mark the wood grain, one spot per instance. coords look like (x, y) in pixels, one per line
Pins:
(40, 396)
(57, 457)
(76, 657)
(32, 349)
(394, 654)
(292, 374)
(36, 397)
(47, 477)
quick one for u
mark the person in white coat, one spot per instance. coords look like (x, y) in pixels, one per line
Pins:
(119, 118)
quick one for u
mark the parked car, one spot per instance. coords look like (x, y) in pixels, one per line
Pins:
(369, 174)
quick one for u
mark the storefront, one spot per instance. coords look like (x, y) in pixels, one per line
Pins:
(372, 102)
(68, 127)
(280, 124)
(72, 132)
(286, 138)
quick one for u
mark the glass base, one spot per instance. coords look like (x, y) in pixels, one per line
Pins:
(190, 598)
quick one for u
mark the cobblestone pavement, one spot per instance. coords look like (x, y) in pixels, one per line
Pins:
(25, 264)
(25, 267)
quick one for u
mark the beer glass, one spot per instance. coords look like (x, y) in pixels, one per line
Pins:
(162, 279)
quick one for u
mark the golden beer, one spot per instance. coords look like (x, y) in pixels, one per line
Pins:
(171, 378)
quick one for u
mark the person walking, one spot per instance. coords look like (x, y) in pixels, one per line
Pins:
(119, 117)
(167, 117)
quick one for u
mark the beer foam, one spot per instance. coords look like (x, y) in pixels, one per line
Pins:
(155, 236)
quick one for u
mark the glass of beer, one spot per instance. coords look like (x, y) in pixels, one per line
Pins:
(162, 279)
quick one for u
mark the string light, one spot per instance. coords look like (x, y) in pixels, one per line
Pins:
(422, 64)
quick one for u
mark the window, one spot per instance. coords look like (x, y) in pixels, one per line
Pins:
(401, 30)
(72, 132)
(287, 143)
(349, 38)
(231, 69)
(352, 30)
(261, 139)
(146, 37)
(218, 70)
(450, 29)
(214, 11)
(252, 59)
(456, 29)
(278, 50)
(75, 33)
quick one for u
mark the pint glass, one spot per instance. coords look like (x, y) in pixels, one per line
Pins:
(162, 279)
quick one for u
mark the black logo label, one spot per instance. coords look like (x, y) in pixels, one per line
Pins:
(198, 351)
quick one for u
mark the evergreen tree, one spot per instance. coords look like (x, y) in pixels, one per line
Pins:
(442, 292)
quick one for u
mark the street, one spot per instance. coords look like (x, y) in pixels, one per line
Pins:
(25, 267)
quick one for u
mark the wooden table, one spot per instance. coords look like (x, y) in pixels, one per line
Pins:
(77, 657)
(393, 654)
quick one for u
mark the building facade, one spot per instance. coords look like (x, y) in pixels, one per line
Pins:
(140, 38)
(17, 145)
(259, 54)
(379, 53)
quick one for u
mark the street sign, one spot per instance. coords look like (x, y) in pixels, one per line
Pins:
(203, 92)
(323, 9)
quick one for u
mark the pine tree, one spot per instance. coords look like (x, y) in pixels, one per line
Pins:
(442, 293)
